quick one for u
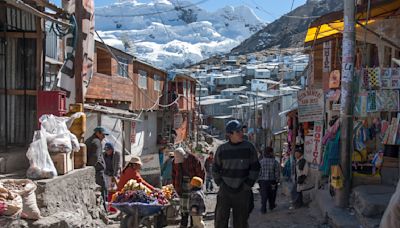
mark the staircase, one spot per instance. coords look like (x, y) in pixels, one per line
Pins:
(370, 202)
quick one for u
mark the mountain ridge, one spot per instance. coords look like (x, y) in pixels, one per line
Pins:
(181, 35)
(290, 29)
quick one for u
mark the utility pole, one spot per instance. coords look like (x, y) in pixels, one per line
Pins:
(346, 103)
(198, 118)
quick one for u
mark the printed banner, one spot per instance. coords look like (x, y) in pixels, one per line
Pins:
(311, 105)
(151, 164)
(327, 52)
(308, 148)
(317, 145)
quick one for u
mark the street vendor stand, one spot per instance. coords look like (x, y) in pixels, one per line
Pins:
(137, 214)
(142, 214)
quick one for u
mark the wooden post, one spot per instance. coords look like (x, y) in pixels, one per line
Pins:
(346, 103)
(78, 53)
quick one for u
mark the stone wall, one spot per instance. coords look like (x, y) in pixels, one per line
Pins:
(74, 194)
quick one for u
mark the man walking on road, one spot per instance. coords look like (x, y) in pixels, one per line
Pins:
(269, 179)
(95, 158)
(208, 167)
(235, 170)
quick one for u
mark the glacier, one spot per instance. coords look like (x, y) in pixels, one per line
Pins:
(173, 33)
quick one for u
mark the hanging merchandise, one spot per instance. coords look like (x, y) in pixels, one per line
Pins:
(333, 95)
(374, 77)
(390, 78)
(360, 136)
(377, 162)
(371, 101)
(360, 109)
(365, 79)
(331, 154)
(336, 177)
(387, 100)
(334, 79)
(386, 78)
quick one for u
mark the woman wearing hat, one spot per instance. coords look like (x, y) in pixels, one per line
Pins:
(132, 171)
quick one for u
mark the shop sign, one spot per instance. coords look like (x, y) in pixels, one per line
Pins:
(311, 105)
(327, 53)
(178, 119)
(151, 164)
(313, 146)
(317, 147)
(308, 148)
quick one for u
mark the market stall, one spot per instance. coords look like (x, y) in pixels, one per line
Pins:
(141, 206)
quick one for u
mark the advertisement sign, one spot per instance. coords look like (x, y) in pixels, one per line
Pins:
(317, 144)
(313, 146)
(308, 148)
(327, 52)
(178, 119)
(151, 164)
(311, 105)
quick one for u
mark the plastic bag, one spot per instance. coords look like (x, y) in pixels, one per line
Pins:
(54, 124)
(26, 189)
(74, 143)
(59, 143)
(41, 165)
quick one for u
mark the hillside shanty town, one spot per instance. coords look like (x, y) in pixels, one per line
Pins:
(168, 113)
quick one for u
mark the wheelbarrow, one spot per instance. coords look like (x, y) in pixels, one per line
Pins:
(141, 214)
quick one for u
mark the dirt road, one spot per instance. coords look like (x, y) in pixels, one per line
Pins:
(280, 217)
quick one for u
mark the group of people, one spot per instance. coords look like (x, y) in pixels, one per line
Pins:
(235, 168)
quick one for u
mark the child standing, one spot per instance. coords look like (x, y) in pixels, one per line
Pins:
(196, 202)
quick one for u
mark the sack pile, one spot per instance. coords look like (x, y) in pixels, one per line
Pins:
(19, 198)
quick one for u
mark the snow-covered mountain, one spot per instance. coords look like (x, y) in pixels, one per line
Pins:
(171, 33)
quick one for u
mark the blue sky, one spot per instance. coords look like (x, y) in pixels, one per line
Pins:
(267, 10)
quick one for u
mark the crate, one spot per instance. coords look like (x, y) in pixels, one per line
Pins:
(51, 102)
(64, 162)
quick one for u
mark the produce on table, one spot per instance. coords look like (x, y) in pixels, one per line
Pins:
(169, 192)
(137, 192)
(132, 196)
(134, 185)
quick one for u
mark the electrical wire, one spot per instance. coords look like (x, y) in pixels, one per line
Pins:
(134, 83)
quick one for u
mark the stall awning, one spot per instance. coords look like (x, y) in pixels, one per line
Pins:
(332, 23)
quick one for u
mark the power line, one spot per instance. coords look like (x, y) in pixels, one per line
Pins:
(153, 13)
(259, 7)
(134, 83)
(190, 24)
(163, 23)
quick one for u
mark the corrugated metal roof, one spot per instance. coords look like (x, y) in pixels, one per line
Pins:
(214, 101)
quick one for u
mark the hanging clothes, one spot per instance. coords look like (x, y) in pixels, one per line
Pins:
(360, 136)
(331, 154)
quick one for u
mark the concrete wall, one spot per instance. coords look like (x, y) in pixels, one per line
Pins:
(72, 193)
(146, 135)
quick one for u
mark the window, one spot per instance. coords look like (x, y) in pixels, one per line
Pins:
(50, 76)
(142, 79)
(184, 88)
(157, 82)
(122, 67)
